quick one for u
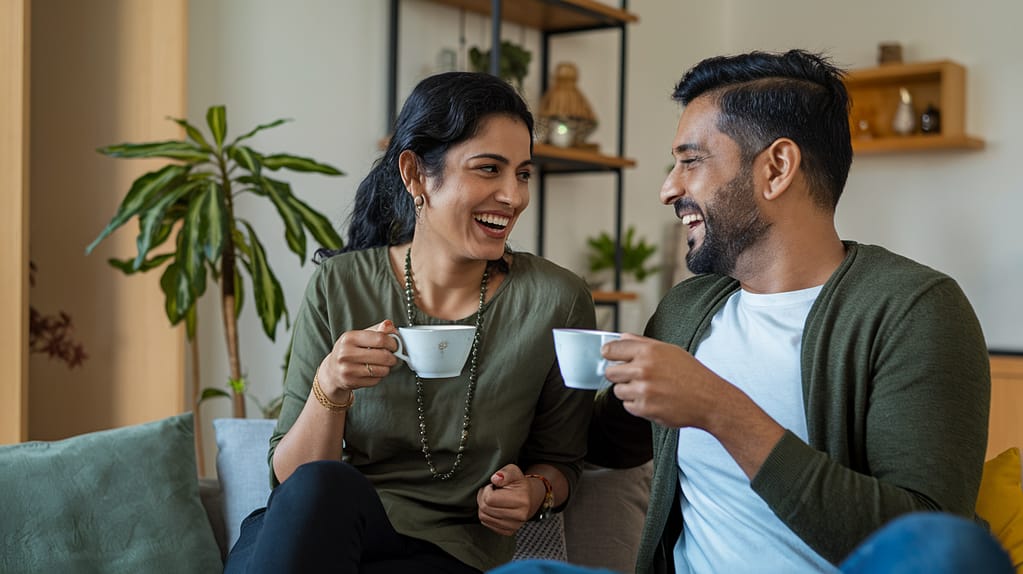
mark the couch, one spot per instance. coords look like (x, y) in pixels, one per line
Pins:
(581, 534)
(128, 500)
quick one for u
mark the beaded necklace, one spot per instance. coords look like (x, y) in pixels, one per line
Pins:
(473, 370)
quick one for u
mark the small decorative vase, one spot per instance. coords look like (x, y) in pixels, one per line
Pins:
(904, 120)
(930, 120)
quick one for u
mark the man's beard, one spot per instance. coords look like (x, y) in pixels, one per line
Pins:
(731, 224)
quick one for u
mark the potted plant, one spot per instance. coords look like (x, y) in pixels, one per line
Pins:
(194, 196)
(513, 62)
(602, 251)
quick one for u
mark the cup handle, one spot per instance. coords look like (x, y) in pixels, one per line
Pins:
(602, 365)
(400, 353)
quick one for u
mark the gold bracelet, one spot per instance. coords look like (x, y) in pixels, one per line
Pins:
(326, 402)
(544, 512)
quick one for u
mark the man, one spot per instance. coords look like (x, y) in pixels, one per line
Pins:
(804, 390)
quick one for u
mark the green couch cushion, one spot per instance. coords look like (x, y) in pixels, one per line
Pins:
(122, 500)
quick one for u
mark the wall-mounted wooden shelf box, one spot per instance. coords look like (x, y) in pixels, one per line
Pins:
(875, 96)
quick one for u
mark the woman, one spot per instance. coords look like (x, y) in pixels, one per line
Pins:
(438, 474)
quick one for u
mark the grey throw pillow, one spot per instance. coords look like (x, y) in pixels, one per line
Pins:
(122, 500)
(242, 447)
(604, 518)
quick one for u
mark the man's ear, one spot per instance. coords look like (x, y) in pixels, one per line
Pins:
(411, 173)
(782, 160)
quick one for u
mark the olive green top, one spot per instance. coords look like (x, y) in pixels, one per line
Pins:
(521, 412)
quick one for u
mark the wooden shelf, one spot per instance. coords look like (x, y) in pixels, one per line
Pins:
(554, 158)
(551, 15)
(874, 93)
(920, 142)
(613, 296)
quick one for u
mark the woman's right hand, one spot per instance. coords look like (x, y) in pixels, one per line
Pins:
(360, 358)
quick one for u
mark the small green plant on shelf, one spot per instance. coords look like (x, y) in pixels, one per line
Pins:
(513, 62)
(635, 254)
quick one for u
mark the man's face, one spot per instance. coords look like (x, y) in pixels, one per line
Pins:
(712, 191)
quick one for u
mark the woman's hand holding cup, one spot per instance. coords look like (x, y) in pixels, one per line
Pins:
(360, 358)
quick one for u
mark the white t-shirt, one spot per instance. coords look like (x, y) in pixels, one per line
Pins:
(754, 342)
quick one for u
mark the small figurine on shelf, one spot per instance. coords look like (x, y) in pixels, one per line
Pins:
(930, 120)
(862, 127)
(889, 53)
(565, 115)
(904, 121)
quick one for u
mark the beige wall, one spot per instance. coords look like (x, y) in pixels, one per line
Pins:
(103, 72)
(14, 19)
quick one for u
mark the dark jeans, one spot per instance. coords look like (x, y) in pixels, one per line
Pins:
(924, 542)
(327, 517)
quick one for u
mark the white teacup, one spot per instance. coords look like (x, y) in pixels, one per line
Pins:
(435, 351)
(578, 350)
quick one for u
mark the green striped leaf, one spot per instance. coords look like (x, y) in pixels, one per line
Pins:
(296, 163)
(266, 290)
(216, 118)
(245, 157)
(294, 234)
(128, 267)
(152, 221)
(142, 191)
(193, 134)
(213, 392)
(169, 149)
(214, 218)
(241, 244)
(317, 224)
(239, 292)
(252, 183)
(260, 128)
(191, 239)
(177, 293)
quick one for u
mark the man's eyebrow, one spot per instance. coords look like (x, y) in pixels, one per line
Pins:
(683, 148)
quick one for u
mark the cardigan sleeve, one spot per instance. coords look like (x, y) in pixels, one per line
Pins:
(897, 406)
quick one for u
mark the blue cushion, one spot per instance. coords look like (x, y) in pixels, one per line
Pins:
(122, 500)
(242, 447)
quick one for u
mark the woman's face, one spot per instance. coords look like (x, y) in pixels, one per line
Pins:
(470, 211)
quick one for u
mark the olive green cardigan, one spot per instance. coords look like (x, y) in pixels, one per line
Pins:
(896, 384)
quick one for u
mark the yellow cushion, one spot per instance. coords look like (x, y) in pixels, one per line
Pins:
(1000, 502)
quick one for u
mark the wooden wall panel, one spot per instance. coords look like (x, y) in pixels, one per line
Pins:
(1006, 424)
(14, 18)
(103, 72)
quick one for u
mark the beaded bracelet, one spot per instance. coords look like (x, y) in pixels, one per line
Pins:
(326, 402)
(544, 512)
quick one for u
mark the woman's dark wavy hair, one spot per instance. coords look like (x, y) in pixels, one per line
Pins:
(442, 111)
(797, 95)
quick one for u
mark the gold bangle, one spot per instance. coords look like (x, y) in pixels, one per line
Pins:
(544, 512)
(326, 402)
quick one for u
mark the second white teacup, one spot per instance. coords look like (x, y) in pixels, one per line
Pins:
(578, 350)
(435, 351)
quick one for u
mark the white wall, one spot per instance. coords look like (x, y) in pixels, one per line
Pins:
(956, 211)
(323, 63)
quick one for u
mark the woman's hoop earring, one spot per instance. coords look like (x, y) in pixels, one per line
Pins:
(418, 201)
